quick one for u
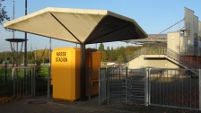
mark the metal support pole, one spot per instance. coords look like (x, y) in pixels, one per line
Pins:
(14, 85)
(17, 55)
(12, 43)
(83, 74)
(199, 89)
(89, 84)
(33, 83)
(48, 83)
(49, 72)
(126, 85)
(146, 86)
(99, 86)
(25, 37)
(149, 86)
(108, 84)
(25, 45)
(6, 68)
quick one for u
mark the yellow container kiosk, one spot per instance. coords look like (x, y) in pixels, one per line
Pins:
(93, 63)
(65, 71)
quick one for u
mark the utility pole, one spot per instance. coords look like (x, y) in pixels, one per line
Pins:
(25, 36)
(13, 35)
(13, 19)
(49, 71)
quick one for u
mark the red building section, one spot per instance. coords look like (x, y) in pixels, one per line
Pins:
(193, 61)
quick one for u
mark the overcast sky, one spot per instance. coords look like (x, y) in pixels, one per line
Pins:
(152, 15)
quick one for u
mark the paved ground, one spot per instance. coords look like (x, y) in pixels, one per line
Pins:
(43, 105)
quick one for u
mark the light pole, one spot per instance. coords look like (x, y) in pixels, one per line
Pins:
(49, 71)
(13, 32)
(25, 37)
(17, 41)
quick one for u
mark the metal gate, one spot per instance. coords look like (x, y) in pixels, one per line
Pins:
(116, 85)
(137, 85)
(102, 86)
(120, 85)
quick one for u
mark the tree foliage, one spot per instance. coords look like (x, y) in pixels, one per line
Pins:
(117, 54)
(101, 47)
(3, 13)
(42, 56)
(37, 56)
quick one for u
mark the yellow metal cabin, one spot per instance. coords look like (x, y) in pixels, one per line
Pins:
(65, 70)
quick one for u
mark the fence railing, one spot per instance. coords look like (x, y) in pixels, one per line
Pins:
(176, 88)
(146, 51)
(5, 73)
(23, 81)
(164, 51)
(103, 85)
(182, 59)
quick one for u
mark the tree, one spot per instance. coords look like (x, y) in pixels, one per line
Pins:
(101, 47)
(108, 53)
(120, 54)
(108, 49)
(3, 13)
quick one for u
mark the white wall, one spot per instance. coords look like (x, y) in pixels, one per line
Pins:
(192, 30)
(199, 29)
(141, 62)
(199, 38)
(173, 41)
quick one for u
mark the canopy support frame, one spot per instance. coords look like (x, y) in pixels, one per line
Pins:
(65, 27)
(109, 32)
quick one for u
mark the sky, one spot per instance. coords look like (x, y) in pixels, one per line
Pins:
(152, 15)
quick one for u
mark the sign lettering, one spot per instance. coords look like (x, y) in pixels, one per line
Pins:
(61, 57)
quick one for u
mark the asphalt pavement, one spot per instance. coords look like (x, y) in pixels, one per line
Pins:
(43, 105)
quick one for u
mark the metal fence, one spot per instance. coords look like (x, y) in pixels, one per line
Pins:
(102, 85)
(5, 73)
(178, 88)
(23, 81)
(174, 88)
(118, 85)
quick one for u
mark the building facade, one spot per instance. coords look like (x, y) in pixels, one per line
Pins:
(177, 49)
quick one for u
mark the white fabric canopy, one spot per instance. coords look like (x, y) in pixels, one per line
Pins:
(78, 25)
